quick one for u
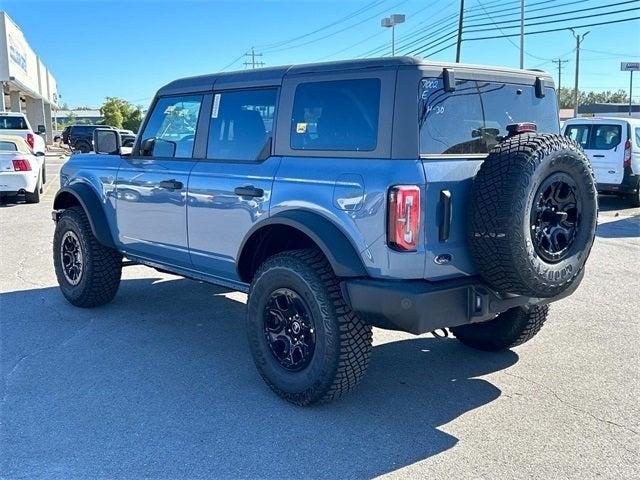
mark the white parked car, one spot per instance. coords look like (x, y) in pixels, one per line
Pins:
(613, 147)
(21, 170)
(14, 123)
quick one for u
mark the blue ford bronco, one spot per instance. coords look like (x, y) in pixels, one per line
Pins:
(396, 193)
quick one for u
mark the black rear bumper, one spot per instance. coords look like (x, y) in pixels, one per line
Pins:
(630, 184)
(419, 306)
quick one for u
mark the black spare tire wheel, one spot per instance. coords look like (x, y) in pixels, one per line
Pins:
(533, 214)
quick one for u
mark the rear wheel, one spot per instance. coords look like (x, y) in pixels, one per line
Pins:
(634, 198)
(509, 329)
(88, 272)
(306, 342)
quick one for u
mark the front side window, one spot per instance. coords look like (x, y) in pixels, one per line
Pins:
(473, 118)
(336, 115)
(171, 129)
(241, 123)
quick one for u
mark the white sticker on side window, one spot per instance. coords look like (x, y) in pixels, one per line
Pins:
(216, 105)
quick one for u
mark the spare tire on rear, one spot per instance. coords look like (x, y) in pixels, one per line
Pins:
(532, 215)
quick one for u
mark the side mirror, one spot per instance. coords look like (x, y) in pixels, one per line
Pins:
(41, 129)
(106, 141)
(39, 154)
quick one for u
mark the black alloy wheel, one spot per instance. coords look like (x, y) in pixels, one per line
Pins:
(555, 217)
(289, 329)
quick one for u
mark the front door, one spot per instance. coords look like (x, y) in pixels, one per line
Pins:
(230, 190)
(151, 187)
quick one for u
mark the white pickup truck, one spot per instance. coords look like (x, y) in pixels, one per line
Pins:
(14, 123)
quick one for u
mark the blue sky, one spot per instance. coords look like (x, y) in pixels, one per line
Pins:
(99, 48)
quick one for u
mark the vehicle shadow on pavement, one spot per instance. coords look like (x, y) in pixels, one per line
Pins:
(161, 384)
(626, 227)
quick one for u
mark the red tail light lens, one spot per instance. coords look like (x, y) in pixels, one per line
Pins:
(31, 140)
(21, 165)
(404, 217)
(627, 155)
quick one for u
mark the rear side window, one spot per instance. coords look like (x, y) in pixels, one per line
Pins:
(336, 115)
(579, 133)
(474, 117)
(241, 123)
(171, 129)
(595, 136)
(8, 147)
(13, 123)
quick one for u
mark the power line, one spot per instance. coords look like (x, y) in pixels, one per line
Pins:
(610, 22)
(559, 62)
(494, 23)
(565, 20)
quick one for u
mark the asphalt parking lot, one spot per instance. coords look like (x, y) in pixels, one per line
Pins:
(160, 383)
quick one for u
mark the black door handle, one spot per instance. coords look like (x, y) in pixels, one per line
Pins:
(249, 191)
(171, 184)
(599, 156)
(445, 218)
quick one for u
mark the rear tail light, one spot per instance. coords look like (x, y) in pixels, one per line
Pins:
(21, 165)
(627, 155)
(517, 128)
(404, 217)
(31, 140)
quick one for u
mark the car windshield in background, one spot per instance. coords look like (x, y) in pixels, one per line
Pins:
(8, 147)
(473, 118)
(13, 123)
(595, 136)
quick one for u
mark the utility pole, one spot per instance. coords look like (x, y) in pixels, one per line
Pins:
(459, 42)
(521, 34)
(559, 62)
(579, 40)
(253, 62)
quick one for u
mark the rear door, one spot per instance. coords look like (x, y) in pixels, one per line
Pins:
(151, 187)
(230, 189)
(457, 130)
(604, 145)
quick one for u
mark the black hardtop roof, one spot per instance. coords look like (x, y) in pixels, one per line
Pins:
(274, 75)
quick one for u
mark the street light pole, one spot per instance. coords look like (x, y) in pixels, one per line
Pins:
(579, 39)
(391, 22)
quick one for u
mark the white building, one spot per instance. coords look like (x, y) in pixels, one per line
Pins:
(27, 85)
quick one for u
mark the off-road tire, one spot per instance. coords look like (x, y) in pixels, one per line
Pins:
(102, 266)
(634, 198)
(343, 341)
(509, 329)
(501, 202)
(34, 197)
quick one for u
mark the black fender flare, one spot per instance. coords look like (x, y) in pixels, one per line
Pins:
(89, 201)
(334, 244)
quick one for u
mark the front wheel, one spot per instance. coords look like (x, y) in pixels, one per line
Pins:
(509, 329)
(88, 272)
(306, 342)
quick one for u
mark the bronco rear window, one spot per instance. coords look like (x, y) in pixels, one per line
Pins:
(474, 117)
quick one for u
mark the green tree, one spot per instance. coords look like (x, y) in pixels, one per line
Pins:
(566, 97)
(111, 110)
(121, 114)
